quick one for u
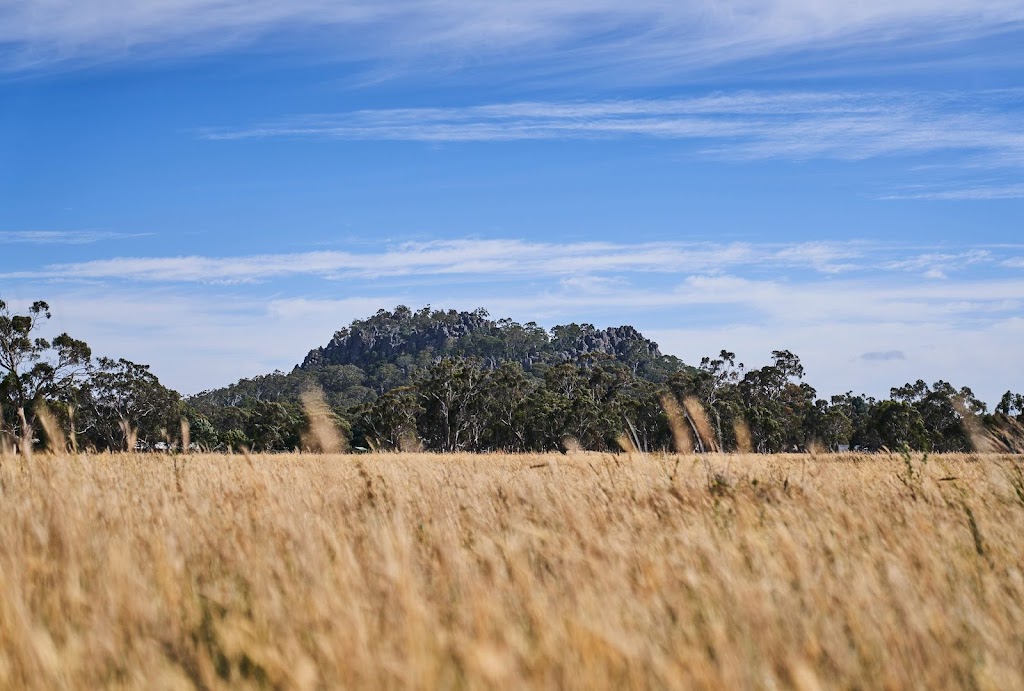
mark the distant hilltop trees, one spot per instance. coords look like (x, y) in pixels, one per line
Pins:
(451, 380)
(404, 338)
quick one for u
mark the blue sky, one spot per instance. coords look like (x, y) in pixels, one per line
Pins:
(213, 187)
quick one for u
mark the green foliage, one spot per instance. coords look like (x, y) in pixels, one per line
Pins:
(778, 404)
(942, 410)
(34, 369)
(273, 426)
(1011, 405)
(461, 381)
(121, 400)
(898, 424)
(452, 395)
(390, 422)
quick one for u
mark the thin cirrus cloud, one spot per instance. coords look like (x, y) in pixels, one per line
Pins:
(941, 264)
(445, 259)
(61, 237)
(883, 356)
(984, 128)
(663, 36)
(514, 259)
(781, 301)
(971, 192)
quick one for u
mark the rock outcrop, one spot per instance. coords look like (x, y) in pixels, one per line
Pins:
(388, 336)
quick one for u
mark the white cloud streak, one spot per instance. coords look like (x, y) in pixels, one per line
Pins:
(510, 259)
(666, 36)
(779, 302)
(848, 126)
(61, 237)
(970, 192)
(940, 265)
(883, 355)
(502, 258)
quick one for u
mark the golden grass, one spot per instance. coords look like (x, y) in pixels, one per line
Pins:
(323, 434)
(579, 571)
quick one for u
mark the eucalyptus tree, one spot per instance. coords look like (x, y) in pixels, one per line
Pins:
(390, 422)
(778, 403)
(1011, 405)
(451, 395)
(944, 410)
(715, 383)
(124, 401)
(33, 368)
(506, 407)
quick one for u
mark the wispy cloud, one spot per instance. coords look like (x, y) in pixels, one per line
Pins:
(941, 264)
(848, 126)
(469, 257)
(783, 301)
(969, 192)
(513, 259)
(61, 237)
(664, 36)
(883, 356)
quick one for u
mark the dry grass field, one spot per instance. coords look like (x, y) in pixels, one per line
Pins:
(580, 571)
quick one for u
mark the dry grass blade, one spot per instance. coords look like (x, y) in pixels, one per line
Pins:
(625, 443)
(682, 438)
(131, 435)
(72, 433)
(55, 441)
(322, 435)
(743, 438)
(27, 433)
(7, 446)
(410, 443)
(186, 437)
(699, 420)
(981, 439)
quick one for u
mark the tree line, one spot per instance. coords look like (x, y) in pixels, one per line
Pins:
(598, 403)
(444, 381)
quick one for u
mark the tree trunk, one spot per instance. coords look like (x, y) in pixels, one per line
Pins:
(698, 442)
(26, 433)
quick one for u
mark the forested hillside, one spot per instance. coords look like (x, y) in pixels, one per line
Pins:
(388, 350)
(463, 381)
(449, 381)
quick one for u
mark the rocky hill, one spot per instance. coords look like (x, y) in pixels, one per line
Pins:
(373, 355)
(389, 337)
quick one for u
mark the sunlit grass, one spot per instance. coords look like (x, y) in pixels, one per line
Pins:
(580, 571)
